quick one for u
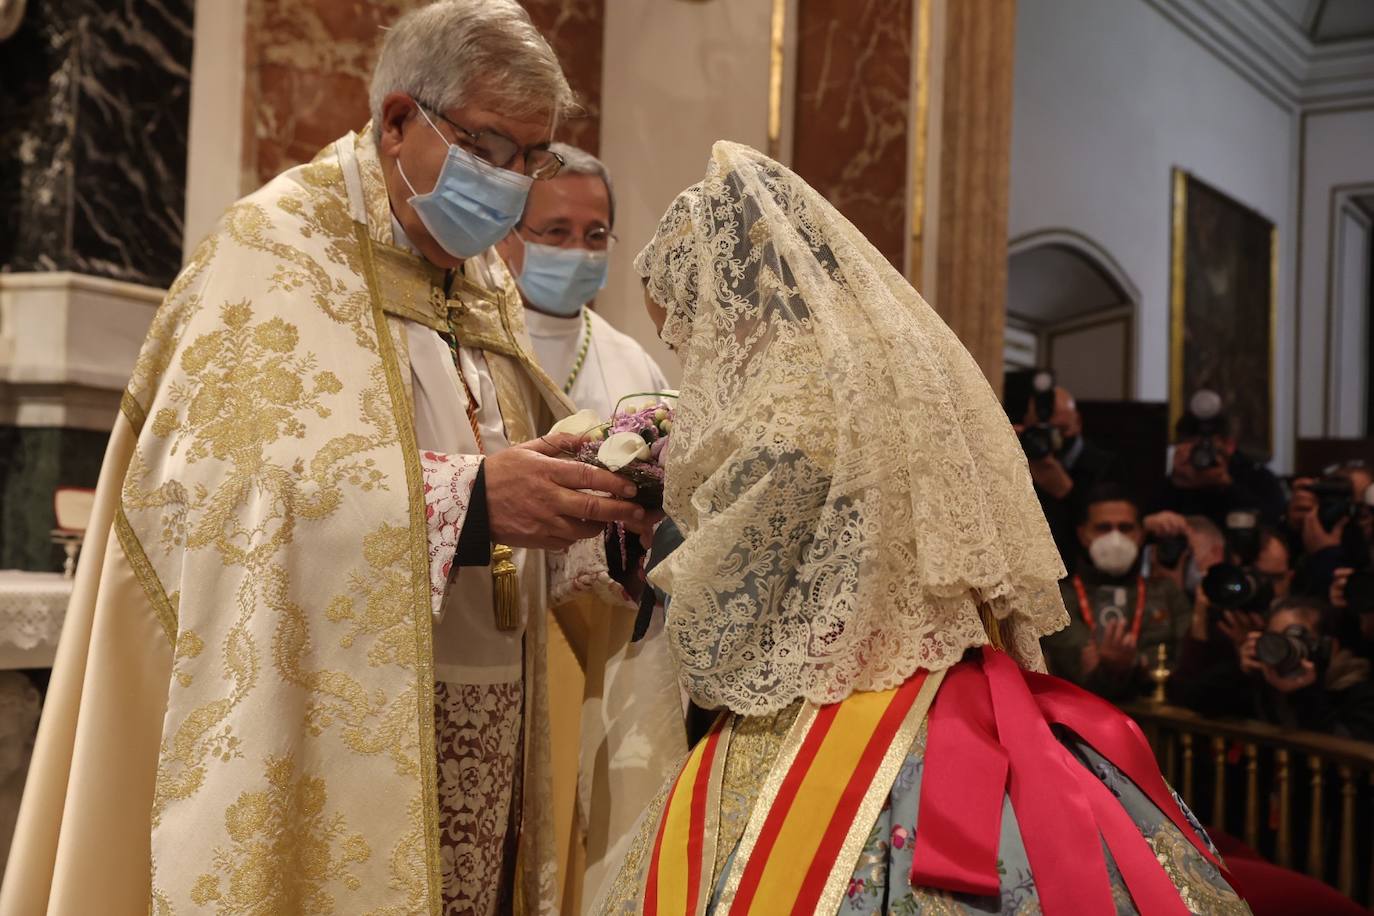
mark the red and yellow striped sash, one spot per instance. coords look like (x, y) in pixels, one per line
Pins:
(812, 817)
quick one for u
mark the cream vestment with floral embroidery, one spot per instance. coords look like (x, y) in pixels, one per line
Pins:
(242, 717)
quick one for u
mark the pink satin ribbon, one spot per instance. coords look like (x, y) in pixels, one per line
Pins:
(989, 736)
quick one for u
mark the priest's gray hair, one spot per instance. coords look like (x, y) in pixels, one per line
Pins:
(453, 52)
(580, 162)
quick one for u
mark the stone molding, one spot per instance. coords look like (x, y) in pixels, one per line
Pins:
(67, 345)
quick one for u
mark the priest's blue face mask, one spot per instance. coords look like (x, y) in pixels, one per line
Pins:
(561, 280)
(473, 205)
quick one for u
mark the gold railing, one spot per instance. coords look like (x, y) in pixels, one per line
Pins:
(1208, 760)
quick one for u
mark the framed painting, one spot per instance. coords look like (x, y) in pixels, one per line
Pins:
(1223, 307)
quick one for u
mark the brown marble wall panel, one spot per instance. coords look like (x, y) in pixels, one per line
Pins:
(308, 64)
(853, 88)
(576, 29)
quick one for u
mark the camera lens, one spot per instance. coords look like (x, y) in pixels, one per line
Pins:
(1280, 651)
(1229, 587)
(1169, 551)
(1204, 456)
(1037, 442)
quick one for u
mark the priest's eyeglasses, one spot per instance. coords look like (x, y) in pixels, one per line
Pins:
(541, 163)
(558, 235)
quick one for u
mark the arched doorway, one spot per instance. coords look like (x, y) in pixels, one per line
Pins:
(1071, 308)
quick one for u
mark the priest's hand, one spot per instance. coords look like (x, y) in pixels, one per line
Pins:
(535, 498)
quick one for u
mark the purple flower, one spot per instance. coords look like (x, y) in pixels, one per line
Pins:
(900, 836)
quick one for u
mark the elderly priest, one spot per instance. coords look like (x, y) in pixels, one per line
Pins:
(303, 670)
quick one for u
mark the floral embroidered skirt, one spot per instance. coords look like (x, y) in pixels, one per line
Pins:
(479, 745)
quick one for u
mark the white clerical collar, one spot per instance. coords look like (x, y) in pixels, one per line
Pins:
(554, 326)
(399, 236)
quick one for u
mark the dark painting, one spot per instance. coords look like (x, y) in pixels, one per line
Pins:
(1223, 309)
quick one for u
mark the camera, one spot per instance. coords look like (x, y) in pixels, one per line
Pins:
(1206, 409)
(1285, 652)
(1334, 501)
(1169, 551)
(1041, 440)
(1235, 588)
(1243, 536)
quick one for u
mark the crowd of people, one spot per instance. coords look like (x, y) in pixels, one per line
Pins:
(1258, 589)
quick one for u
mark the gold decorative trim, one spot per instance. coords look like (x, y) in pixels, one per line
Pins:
(1177, 288)
(777, 54)
(133, 411)
(146, 575)
(419, 552)
(768, 794)
(921, 62)
(867, 815)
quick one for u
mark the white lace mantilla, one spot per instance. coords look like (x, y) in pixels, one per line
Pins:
(850, 489)
(32, 608)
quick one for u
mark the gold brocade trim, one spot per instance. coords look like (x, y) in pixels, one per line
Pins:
(424, 634)
(764, 803)
(715, 783)
(133, 411)
(838, 882)
(711, 835)
(146, 575)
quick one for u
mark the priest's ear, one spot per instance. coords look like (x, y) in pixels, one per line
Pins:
(397, 109)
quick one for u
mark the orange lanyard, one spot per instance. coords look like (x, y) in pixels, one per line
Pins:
(1086, 609)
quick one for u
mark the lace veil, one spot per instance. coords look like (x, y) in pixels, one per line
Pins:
(850, 489)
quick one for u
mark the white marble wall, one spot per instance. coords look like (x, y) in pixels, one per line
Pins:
(676, 77)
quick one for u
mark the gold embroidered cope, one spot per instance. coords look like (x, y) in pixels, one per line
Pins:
(242, 715)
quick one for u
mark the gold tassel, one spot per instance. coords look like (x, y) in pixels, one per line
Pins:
(993, 626)
(506, 587)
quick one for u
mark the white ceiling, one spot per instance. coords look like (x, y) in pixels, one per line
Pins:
(1325, 21)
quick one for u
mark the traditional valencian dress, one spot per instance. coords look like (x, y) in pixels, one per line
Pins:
(282, 687)
(863, 582)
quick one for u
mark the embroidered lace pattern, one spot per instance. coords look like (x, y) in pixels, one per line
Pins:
(849, 485)
(478, 731)
(448, 481)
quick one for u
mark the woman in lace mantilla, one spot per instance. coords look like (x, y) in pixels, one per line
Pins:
(863, 583)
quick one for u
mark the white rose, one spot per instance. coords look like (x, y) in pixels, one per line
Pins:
(579, 424)
(622, 448)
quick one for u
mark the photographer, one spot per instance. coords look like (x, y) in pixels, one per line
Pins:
(1310, 679)
(1207, 677)
(1333, 533)
(1063, 465)
(1301, 503)
(1184, 549)
(1117, 619)
(1209, 475)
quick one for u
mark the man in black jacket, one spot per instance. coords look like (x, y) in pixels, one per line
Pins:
(1065, 466)
(1210, 475)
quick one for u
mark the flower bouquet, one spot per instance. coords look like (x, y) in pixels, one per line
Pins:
(631, 443)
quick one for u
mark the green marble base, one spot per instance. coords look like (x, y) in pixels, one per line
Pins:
(34, 462)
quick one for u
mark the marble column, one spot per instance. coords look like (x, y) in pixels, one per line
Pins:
(973, 134)
(93, 126)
